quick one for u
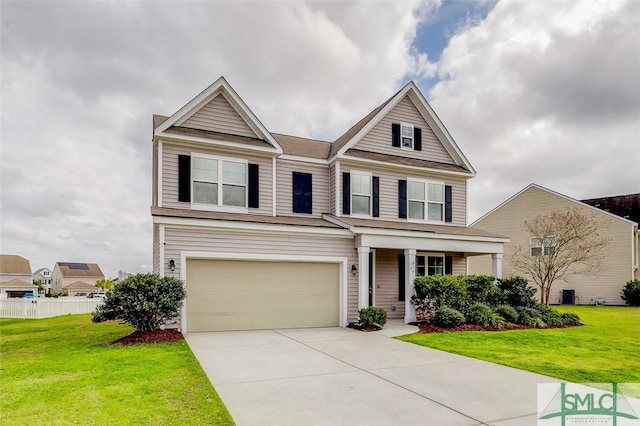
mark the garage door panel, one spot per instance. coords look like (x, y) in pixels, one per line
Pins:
(242, 295)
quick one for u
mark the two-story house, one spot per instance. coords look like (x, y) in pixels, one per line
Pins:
(276, 231)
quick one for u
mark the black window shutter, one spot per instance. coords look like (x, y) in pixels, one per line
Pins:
(401, 277)
(402, 199)
(254, 184)
(417, 139)
(395, 135)
(448, 265)
(346, 193)
(376, 196)
(302, 193)
(184, 178)
(448, 204)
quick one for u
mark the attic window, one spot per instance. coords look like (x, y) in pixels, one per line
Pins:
(406, 135)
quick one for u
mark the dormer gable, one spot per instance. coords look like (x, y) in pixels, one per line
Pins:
(403, 127)
(218, 114)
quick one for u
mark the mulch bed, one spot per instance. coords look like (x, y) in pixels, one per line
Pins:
(361, 328)
(430, 328)
(155, 336)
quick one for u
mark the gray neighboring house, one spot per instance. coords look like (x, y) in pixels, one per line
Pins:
(622, 257)
(278, 231)
(80, 276)
(44, 276)
(15, 276)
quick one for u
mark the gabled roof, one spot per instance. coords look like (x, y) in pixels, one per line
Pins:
(14, 264)
(304, 147)
(220, 86)
(79, 285)
(626, 206)
(349, 139)
(557, 194)
(17, 283)
(77, 269)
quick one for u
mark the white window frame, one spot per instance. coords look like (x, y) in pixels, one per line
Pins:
(352, 193)
(220, 182)
(425, 217)
(426, 261)
(408, 126)
(545, 249)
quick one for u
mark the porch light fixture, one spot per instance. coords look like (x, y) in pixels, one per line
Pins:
(354, 269)
(172, 265)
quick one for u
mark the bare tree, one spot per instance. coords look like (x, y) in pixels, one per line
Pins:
(563, 243)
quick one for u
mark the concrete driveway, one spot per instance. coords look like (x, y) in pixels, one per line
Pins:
(337, 376)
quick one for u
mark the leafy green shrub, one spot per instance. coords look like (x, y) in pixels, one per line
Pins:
(570, 319)
(443, 290)
(482, 289)
(448, 317)
(507, 312)
(372, 316)
(483, 315)
(516, 292)
(553, 318)
(631, 293)
(529, 316)
(143, 301)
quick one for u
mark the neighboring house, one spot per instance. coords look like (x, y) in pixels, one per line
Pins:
(270, 230)
(44, 276)
(15, 276)
(79, 288)
(65, 273)
(622, 254)
(626, 206)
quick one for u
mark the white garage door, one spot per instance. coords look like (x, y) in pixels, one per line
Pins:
(250, 295)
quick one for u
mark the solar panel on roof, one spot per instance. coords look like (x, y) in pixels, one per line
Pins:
(82, 266)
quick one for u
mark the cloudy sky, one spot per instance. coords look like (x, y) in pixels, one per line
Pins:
(545, 92)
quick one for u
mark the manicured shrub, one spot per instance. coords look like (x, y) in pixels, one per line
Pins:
(529, 316)
(483, 289)
(516, 292)
(553, 318)
(448, 317)
(442, 290)
(483, 315)
(144, 301)
(570, 319)
(631, 293)
(507, 312)
(372, 316)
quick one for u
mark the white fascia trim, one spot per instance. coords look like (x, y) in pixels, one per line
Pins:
(338, 222)
(432, 245)
(273, 186)
(342, 261)
(159, 172)
(425, 235)
(404, 167)
(215, 142)
(300, 159)
(251, 227)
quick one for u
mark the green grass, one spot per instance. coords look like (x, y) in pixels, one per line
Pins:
(603, 350)
(63, 370)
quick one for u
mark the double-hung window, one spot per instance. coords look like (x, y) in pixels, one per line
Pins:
(429, 265)
(406, 135)
(425, 200)
(219, 182)
(542, 246)
(361, 193)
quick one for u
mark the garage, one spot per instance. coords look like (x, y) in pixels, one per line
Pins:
(249, 295)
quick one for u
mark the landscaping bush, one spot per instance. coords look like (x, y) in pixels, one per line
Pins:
(529, 316)
(443, 290)
(483, 315)
(143, 301)
(516, 292)
(448, 317)
(507, 312)
(570, 319)
(482, 289)
(372, 316)
(553, 318)
(631, 293)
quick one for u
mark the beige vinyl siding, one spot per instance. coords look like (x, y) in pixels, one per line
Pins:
(219, 116)
(379, 138)
(201, 239)
(389, 191)
(284, 185)
(170, 154)
(332, 189)
(386, 283)
(156, 248)
(459, 263)
(508, 220)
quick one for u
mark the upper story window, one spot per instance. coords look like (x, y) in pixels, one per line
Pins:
(361, 193)
(406, 135)
(302, 193)
(425, 200)
(219, 182)
(542, 246)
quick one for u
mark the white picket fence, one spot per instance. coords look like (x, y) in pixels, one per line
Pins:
(46, 307)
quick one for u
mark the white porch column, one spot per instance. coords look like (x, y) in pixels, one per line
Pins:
(496, 264)
(409, 276)
(363, 277)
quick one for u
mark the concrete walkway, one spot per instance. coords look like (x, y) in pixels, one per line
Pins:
(337, 376)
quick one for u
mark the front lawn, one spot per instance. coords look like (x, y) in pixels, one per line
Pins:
(63, 370)
(604, 350)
